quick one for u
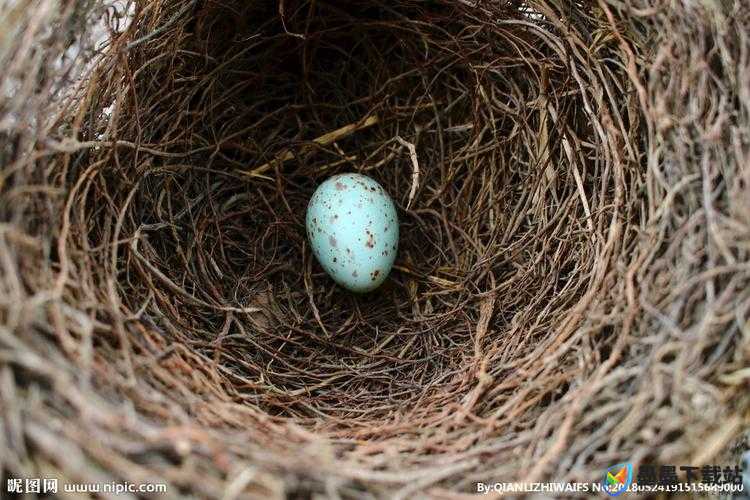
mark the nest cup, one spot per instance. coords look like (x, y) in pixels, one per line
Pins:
(571, 286)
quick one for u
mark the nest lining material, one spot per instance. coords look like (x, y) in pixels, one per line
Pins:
(571, 288)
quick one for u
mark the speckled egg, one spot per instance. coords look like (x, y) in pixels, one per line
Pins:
(353, 230)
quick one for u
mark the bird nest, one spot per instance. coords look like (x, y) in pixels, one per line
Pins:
(572, 284)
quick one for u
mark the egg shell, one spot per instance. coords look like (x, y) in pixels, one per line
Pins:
(352, 227)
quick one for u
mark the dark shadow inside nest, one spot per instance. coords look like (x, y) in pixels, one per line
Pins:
(222, 262)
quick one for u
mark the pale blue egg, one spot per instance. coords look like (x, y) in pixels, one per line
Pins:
(353, 231)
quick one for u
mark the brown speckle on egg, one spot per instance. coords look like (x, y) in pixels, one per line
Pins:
(370, 243)
(340, 186)
(332, 241)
